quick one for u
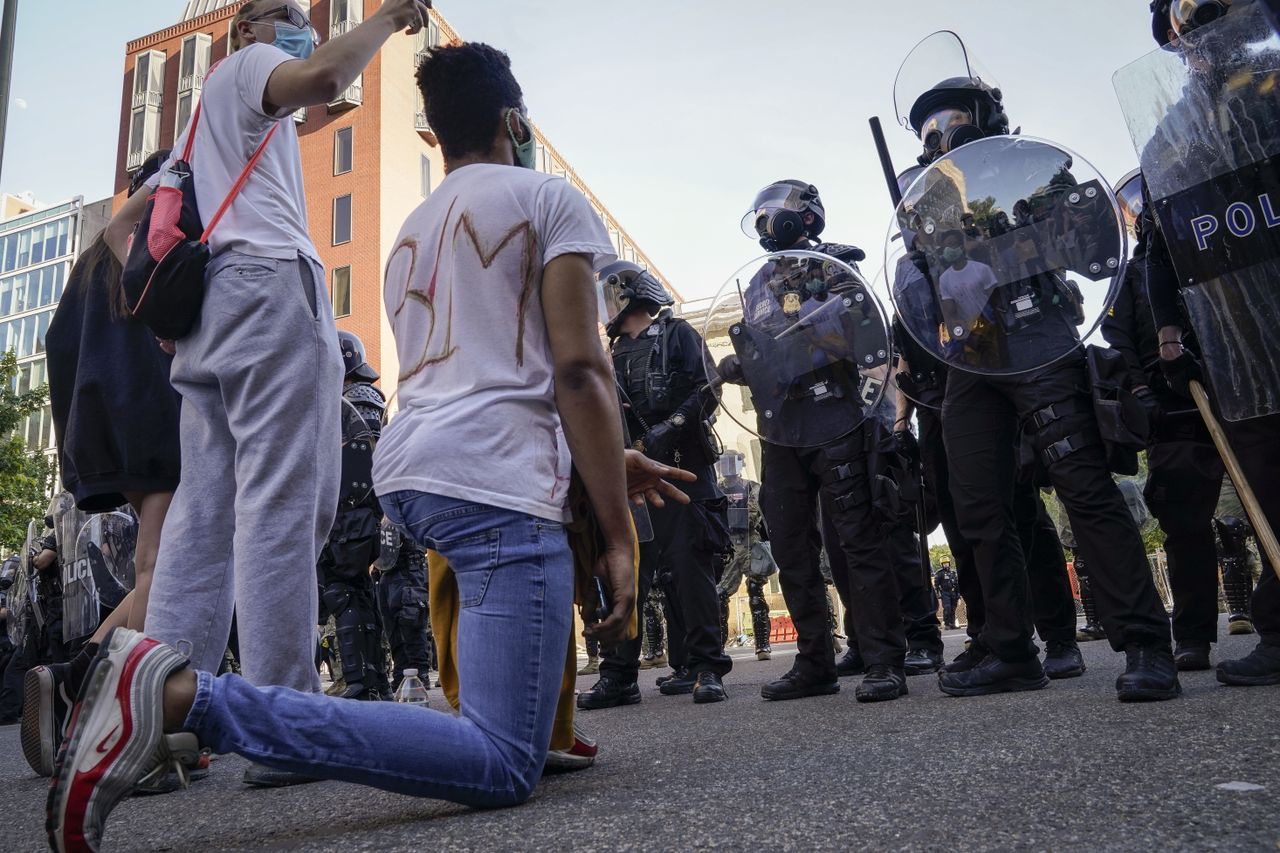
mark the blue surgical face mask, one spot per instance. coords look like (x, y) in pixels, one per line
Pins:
(298, 42)
(526, 153)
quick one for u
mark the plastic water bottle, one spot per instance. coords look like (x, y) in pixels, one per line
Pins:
(412, 691)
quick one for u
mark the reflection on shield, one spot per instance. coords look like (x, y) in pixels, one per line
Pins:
(68, 519)
(102, 573)
(389, 542)
(357, 457)
(20, 595)
(1005, 255)
(803, 334)
(1205, 120)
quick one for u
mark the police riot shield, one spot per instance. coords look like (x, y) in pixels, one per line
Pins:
(357, 458)
(800, 347)
(389, 541)
(68, 519)
(1204, 115)
(101, 574)
(20, 594)
(1006, 255)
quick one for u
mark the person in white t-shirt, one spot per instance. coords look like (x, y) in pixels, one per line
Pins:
(492, 297)
(260, 373)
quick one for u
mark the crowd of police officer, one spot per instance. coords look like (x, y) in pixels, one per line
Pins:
(986, 356)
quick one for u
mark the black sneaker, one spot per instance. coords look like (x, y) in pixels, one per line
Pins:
(663, 679)
(1192, 657)
(46, 710)
(708, 688)
(1062, 659)
(681, 684)
(609, 693)
(1090, 632)
(1150, 675)
(974, 653)
(851, 663)
(921, 662)
(797, 685)
(261, 776)
(882, 683)
(993, 675)
(1261, 667)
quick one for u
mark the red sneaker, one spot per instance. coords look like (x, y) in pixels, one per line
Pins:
(580, 756)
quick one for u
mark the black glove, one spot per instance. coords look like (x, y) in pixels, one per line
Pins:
(730, 369)
(921, 261)
(906, 446)
(659, 441)
(1150, 403)
(1181, 371)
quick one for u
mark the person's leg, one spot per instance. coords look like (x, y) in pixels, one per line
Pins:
(759, 614)
(691, 538)
(919, 608)
(1052, 602)
(151, 510)
(621, 663)
(280, 383)
(933, 458)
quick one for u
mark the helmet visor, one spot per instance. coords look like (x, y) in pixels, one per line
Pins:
(730, 465)
(771, 198)
(613, 297)
(1188, 15)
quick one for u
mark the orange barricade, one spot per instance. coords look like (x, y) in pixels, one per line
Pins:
(781, 629)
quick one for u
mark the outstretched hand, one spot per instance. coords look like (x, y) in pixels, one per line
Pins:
(407, 15)
(616, 569)
(649, 480)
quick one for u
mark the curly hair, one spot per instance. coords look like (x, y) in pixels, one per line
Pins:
(466, 89)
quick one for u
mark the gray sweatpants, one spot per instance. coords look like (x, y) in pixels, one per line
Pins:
(261, 384)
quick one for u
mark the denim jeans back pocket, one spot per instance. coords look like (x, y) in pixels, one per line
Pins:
(472, 560)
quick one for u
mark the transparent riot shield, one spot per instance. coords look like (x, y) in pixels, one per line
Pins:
(68, 520)
(35, 532)
(20, 594)
(1006, 255)
(800, 347)
(102, 573)
(357, 458)
(1204, 115)
(389, 541)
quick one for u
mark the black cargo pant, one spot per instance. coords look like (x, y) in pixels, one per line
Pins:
(915, 592)
(688, 542)
(403, 605)
(982, 418)
(1185, 477)
(1256, 443)
(794, 481)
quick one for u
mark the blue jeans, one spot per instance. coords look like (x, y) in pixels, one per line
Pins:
(515, 587)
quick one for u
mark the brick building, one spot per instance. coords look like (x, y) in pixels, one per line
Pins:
(369, 158)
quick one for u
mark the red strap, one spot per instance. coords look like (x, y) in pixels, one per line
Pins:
(239, 185)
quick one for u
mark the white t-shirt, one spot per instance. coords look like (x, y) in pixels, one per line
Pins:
(269, 216)
(463, 293)
(970, 288)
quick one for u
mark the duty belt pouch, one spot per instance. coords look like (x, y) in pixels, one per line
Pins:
(1122, 420)
(164, 273)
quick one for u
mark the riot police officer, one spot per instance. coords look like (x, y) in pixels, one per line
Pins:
(403, 603)
(662, 380)
(750, 557)
(1233, 535)
(786, 216)
(346, 588)
(991, 323)
(948, 587)
(1223, 119)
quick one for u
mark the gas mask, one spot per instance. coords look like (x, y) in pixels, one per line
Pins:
(1188, 15)
(779, 229)
(946, 130)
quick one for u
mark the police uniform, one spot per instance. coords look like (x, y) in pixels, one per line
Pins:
(948, 587)
(1237, 562)
(403, 604)
(745, 526)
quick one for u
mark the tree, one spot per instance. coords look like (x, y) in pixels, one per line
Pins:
(938, 553)
(26, 475)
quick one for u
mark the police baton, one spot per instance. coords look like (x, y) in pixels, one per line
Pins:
(1266, 536)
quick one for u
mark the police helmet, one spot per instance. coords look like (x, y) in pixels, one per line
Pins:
(1183, 16)
(783, 212)
(627, 287)
(957, 111)
(353, 358)
(731, 464)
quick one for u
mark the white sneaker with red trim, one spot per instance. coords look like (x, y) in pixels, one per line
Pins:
(116, 736)
(580, 756)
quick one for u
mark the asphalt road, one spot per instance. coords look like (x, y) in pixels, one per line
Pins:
(1068, 768)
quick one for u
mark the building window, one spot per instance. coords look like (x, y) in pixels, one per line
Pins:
(193, 65)
(426, 176)
(342, 220)
(144, 119)
(342, 292)
(342, 151)
(344, 16)
(420, 122)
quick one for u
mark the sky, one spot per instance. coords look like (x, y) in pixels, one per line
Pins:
(675, 112)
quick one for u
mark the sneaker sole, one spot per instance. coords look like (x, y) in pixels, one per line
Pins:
(1240, 627)
(667, 690)
(1150, 695)
(921, 671)
(1192, 666)
(1014, 686)
(867, 698)
(1074, 672)
(39, 740)
(1248, 680)
(83, 798)
(817, 690)
(707, 699)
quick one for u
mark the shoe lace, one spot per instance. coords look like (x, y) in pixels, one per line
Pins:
(878, 672)
(172, 757)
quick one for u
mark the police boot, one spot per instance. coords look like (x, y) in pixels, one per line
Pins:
(1062, 659)
(1237, 583)
(1261, 667)
(593, 666)
(881, 684)
(922, 662)
(993, 675)
(352, 633)
(1092, 629)
(1150, 675)
(680, 684)
(609, 693)
(797, 684)
(850, 664)
(1192, 657)
(663, 679)
(708, 688)
(974, 653)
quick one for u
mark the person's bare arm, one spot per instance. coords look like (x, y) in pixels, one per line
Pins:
(650, 481)
(904, 407)
(123, 223)
(588, 406)
(339, 61)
